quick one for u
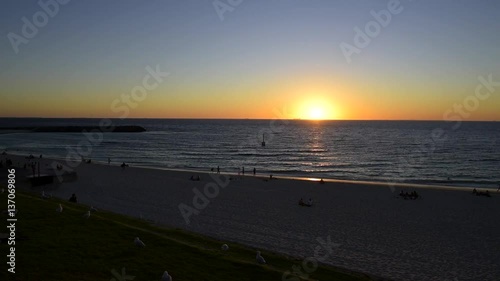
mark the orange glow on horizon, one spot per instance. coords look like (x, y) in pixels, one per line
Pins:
(306, 99)
(316, 113)
(316, 108)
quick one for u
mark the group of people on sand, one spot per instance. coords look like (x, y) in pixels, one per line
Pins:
(241, 171)
(8, 163)
(195, 178)
(481, 193)
(73, 198)
(309, 202)
(33, 157)
(409, 196)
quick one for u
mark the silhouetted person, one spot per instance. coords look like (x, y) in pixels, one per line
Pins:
(406, 195)
(73, 199)
(109, 160)
(123, 165)
(255, 172)
(242, 170)
(218, 170)
(414, 195)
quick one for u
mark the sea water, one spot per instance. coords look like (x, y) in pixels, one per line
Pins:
(424, 152)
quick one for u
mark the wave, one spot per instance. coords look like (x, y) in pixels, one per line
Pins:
(111, 142)
(261, 155)
(469, 183)
(485, 160)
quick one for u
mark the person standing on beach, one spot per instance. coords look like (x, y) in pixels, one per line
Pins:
(109, 161)
(73, 198)
(218, 170)
(243, 170)
(254, 171)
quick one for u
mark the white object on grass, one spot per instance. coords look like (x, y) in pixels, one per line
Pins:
(139, 243)
(260, 259)
(166, 277)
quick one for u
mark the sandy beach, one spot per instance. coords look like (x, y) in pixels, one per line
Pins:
(446, 234)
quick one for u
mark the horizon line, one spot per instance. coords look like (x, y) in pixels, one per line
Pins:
(249, 119)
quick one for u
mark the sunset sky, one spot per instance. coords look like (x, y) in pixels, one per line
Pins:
(251, 61)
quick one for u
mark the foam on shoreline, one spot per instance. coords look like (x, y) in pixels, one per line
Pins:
(301, 178)
(490, 186)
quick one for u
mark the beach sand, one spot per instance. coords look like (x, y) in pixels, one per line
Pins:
(444, 235)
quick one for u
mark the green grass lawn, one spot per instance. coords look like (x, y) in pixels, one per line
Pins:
(66, 246)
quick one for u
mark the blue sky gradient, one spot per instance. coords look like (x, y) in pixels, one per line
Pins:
(95, 50)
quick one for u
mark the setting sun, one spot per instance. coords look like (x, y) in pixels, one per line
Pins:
(318, 108)
(316, 113)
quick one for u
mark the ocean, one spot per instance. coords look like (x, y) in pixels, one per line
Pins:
(423, 152)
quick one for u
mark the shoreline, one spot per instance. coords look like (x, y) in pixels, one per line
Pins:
(375, 183)
(330, 180)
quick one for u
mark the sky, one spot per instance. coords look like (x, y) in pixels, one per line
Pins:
(257, 59)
